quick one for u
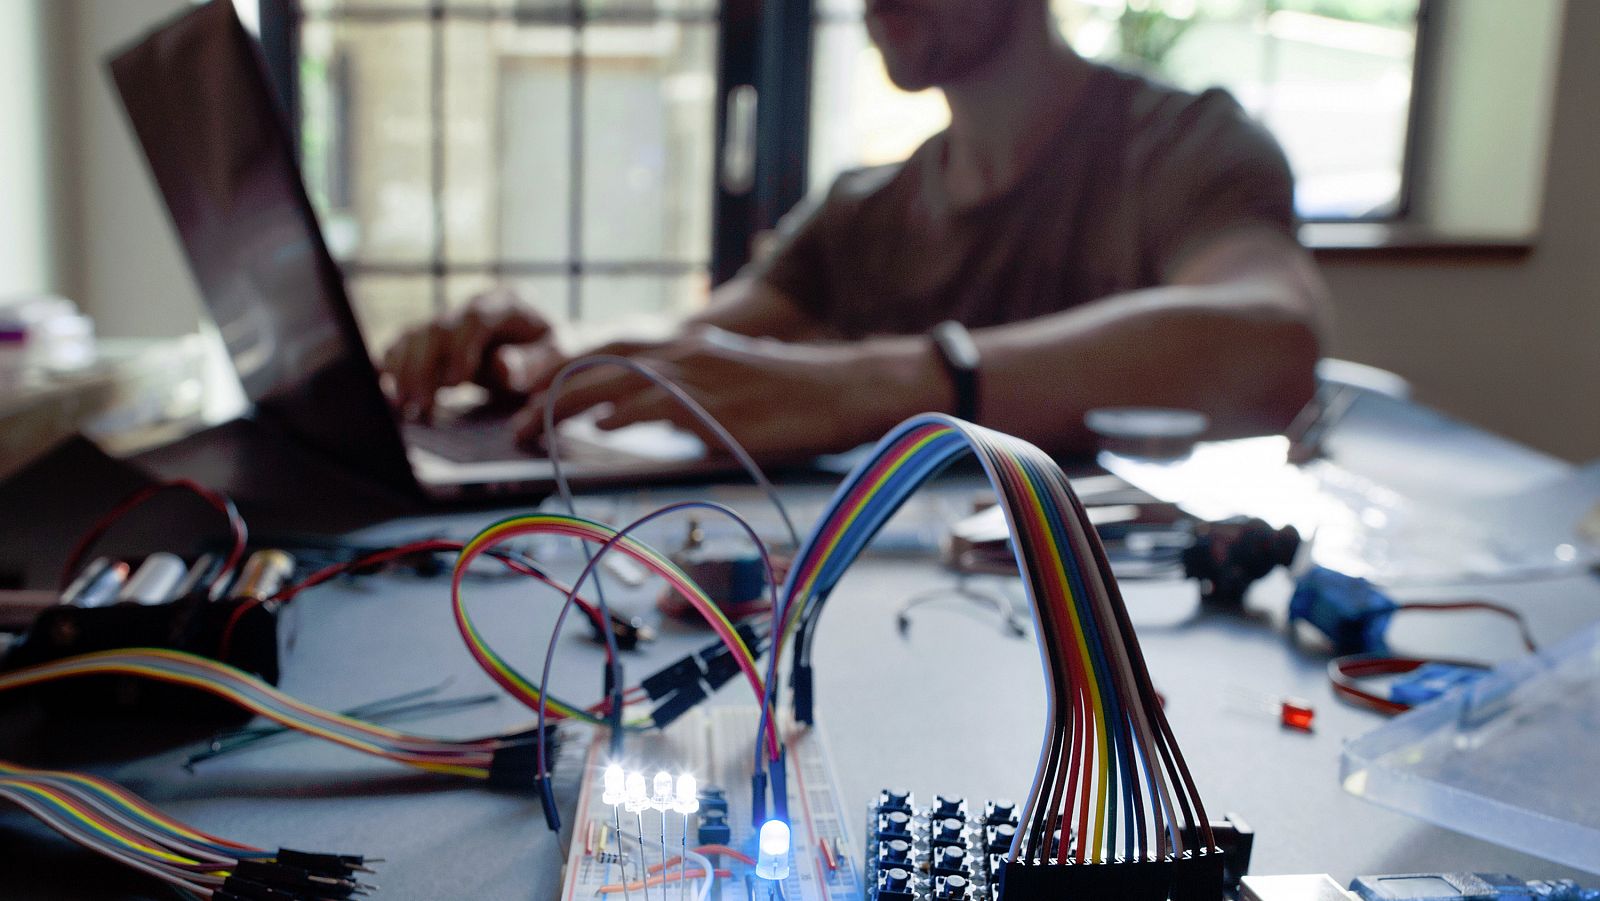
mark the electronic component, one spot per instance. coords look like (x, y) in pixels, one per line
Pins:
(240, 631)
(97, 585)
(155, 581)
(1431, 680)
(1351, 612)
(1230, 556)
(945, 851)
(772, 845)
(265, 573)
(732, 574)
(1466, 887)
(822, 859)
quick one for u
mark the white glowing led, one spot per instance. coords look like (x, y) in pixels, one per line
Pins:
(687, 799)
(661, 794)
(638, 797)
(772, 859)
(616, 787)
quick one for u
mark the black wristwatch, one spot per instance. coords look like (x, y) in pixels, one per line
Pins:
(959, 353)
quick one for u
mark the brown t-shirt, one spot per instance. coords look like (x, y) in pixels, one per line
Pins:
(1136, 175)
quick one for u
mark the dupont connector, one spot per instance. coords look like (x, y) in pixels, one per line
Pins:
(778, 772)
(1350, 611)
(331, 864)
(758, 800)
(665, 681)
(800, 692)
(1191, 877)
(249, 877)
(516, 763)
(680, 702)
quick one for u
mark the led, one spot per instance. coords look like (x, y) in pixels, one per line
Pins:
(772, 860)
(637, 798)
(687, 799)
(616, 789)
(661, 796)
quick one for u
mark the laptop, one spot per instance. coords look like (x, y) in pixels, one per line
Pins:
(197, 94)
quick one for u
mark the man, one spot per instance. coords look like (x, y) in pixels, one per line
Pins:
(1108, 242)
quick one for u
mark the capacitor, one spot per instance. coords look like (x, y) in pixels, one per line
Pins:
(947, 807)
(1000, 838)
(948, 829)
(264, 575)
(772, 857)
(155, 580)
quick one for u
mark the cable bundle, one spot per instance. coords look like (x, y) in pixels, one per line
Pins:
(475, 759)
(112, 821)
(1110, 773)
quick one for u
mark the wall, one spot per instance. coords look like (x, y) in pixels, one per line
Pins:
(120, 257)
(26, 258)
(1512, 345)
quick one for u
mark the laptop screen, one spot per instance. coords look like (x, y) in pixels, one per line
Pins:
(197, 94)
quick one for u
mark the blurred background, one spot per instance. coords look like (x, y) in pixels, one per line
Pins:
(594, 154)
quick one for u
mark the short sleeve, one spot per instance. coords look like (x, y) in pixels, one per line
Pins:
(1211, 169)
(796, 265)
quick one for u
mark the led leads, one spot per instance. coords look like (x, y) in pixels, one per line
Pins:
(772, 858)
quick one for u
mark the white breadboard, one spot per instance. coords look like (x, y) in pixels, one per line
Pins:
(716, 744)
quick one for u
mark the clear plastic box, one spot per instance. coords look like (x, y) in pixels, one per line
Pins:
(1513, 759)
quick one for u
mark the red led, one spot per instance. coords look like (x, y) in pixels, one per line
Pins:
(1296, 714)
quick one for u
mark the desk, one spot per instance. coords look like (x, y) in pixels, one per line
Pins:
(886, 702)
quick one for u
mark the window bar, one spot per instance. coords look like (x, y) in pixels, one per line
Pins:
(436, 129)
(578, 67)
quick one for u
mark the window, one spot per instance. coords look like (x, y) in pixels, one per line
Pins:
(1316, 72)
(581, 150)
(559, 147)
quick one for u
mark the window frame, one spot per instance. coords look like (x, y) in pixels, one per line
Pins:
(770, 46)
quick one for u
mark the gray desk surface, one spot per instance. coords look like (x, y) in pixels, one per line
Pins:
(952, 706)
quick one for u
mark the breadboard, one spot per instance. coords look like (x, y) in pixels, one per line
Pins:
(717, 745)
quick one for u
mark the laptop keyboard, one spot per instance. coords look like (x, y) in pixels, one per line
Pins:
(465, 441)
(491, 440)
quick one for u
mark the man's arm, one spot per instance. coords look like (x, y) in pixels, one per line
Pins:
(1234, 334)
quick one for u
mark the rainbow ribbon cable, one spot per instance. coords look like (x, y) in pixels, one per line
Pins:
(1110, 772)
(111, 821)
(473, 759)
(526, 690)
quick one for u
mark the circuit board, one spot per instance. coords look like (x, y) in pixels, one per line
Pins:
(716, 744)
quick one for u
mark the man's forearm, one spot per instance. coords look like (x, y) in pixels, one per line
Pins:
(1242, 353)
